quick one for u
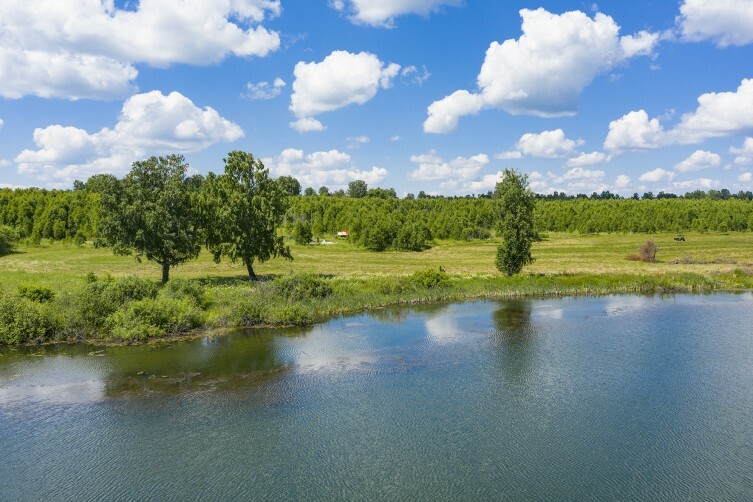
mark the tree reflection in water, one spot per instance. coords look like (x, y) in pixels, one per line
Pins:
(515, 339)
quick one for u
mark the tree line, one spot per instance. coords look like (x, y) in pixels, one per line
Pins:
(375, 218)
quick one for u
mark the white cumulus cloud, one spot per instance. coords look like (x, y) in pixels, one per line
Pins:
(331, 168)
(149, 123)
(548, 145)
(341, 79)
(657, 175)
(544, 71)
(588, 159)
(726, 22)
(383, 12)
(745, 177)
(634, 131)
(718, 114)
(307, 125)
(744, 153)
(88, 48)
(264, 90)
(431, 167)
(698, 161)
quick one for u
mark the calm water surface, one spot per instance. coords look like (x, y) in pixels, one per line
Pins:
(596, 398)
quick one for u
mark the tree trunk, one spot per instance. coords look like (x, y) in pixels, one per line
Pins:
(165, 272)
(251, 274)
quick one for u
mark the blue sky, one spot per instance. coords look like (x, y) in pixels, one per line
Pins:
(433, 95)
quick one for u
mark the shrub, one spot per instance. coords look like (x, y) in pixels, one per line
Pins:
(648, 251)
(430, 278)
(23, 321)
(183, 288)
(37, 294)
(475, 233)
(248, 310)
(97, 300)
(149, 318)
(8, 239)
(297, 287)
(302, 233)
(291, 315)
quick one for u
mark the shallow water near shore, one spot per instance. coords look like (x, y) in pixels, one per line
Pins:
(617, 397)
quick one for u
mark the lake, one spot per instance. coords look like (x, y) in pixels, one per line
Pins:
(619, 397)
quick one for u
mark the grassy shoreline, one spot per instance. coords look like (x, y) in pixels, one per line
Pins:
(45, 298)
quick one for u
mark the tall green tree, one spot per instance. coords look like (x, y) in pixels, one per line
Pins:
(515, 222)
(357, 189)
(152, 212)
(244, 208)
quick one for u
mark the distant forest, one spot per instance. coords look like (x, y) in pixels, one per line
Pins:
(376, 217)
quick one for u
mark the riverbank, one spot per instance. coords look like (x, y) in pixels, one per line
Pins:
(67, 293)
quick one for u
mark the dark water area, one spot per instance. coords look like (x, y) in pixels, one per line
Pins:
(620, 397)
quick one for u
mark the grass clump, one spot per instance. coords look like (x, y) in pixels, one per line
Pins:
(300, 287)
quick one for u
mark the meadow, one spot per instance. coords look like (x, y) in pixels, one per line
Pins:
(66, 292)
(60, 265)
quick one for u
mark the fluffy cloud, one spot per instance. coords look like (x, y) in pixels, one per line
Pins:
(718, 114)
(332, 168)
(383, 12)
(698, 161)
(657, 175)
(744, 153)
(88, 48)
(341, 79)
(544, 71)
(2, 123)
(264, 90)
(634, 131)
(307, 125)
(575, 180)
(745, 177)
(588, 159)
(548, 145)
(726, 22)
(73, 76)
(431, 167)
(149, 123)
(697, 184)
(622, 182)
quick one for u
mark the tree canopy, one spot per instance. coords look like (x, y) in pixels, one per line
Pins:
(244, 208)
(153, 212)
(515, 222)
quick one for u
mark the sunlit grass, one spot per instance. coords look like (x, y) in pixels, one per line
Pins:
(60, 266)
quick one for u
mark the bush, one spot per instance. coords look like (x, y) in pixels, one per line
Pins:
(97, 300)
(302, 233)
(149, 318)
(297, 287)
(36, 294)
(8, 239)
(248, 310)
(24, 321)
(183, 288)
(648, 251)
(475, 233)
(430, 278)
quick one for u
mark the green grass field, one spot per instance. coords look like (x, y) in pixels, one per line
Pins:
(60, 266)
